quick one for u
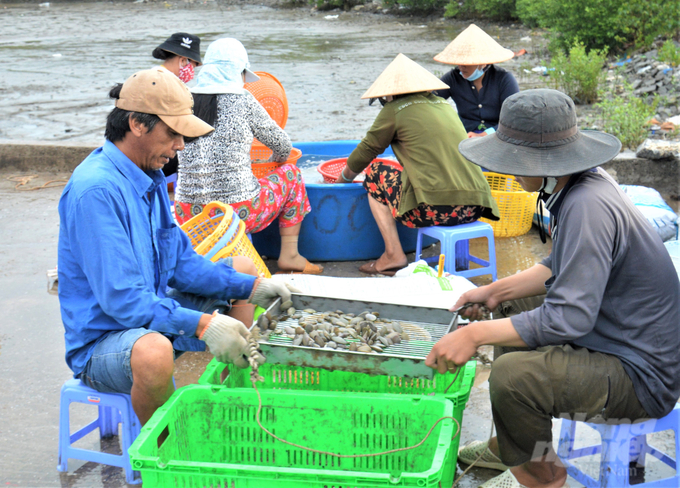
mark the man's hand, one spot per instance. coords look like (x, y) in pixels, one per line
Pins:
(482, 296)
(474, 134)
(267, 290)
(227, 339)
(452, 350)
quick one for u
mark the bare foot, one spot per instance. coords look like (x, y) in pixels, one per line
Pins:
(298, 264)
(390, 262)
(292, 263)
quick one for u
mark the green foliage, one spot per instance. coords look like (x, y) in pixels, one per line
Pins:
(626, 116)
(616, 24)
(489, 9)
(669, 53)
(421, 6)
(333, 4)
(578, 74)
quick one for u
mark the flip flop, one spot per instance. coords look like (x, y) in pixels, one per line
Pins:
(310, 269)
(369, 268)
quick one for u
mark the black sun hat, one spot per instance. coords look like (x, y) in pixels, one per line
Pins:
(183, 44)
(538, 135)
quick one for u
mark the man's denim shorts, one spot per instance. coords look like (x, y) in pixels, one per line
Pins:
(109, 370)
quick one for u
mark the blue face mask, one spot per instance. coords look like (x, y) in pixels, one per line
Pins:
(476, 75)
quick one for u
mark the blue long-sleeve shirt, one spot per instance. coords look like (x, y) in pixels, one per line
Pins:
(479, 109)
(119, 250)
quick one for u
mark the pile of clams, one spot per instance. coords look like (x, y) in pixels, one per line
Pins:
(365, 332)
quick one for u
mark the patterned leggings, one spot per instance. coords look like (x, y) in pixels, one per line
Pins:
(383, 182)
(282, 195)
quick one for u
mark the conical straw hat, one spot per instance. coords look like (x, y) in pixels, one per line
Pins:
(403, 76)
(473, 46)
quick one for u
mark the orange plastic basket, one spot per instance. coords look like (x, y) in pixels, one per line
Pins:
(241, 246)
(330, 170)
(204, 230)
(516, 205)
(271, 95)
(260, 151)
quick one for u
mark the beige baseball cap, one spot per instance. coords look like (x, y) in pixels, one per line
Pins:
(403, 76)
(473, 46)
(158, 91)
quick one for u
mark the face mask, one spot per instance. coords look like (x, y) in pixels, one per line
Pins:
(548, 185)
(478, 72)
(186, 72)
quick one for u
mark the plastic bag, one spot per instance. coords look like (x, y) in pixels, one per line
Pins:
(657, 212)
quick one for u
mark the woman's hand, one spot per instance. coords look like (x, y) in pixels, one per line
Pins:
(474, 134)
(346, 175)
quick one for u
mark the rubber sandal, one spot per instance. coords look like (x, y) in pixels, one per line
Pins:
(471, 451)
(310, 269)
(369, 268)
(506, 480)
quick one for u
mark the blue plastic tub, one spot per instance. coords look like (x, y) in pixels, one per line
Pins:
(340, 226)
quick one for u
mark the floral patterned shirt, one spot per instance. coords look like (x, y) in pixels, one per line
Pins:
(217, 166)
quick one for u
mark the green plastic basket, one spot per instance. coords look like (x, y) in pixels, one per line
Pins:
(302, 378)
(214, 440)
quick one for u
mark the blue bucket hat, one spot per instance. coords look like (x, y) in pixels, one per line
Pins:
(223, 63)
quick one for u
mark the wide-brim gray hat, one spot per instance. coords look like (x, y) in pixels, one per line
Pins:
(538, 135)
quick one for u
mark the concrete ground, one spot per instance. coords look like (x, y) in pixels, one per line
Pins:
(32, 366)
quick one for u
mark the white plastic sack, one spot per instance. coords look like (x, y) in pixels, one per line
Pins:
(655, 209)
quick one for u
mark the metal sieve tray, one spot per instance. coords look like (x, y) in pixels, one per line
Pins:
(406, 359)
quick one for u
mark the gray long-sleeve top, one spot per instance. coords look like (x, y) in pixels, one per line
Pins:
(613, 290)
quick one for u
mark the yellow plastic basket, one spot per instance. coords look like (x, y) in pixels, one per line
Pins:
(516, 206)
(204, 231)
(241, 246)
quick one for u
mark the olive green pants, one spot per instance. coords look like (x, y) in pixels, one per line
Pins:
(530, 387)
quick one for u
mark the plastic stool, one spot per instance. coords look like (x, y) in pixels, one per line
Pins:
(455, 246)
(114, 409)
(621, 445)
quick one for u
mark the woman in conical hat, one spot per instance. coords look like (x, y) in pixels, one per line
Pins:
(476, 85)
(434, 184)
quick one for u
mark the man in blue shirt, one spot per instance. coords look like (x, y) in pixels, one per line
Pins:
(120, 250)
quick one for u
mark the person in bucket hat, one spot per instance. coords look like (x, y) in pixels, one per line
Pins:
(602, 342)
(477, 85)
(181, 54)
(432, 184)
(120, 251)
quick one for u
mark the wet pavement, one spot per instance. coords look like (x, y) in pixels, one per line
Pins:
(69, 55)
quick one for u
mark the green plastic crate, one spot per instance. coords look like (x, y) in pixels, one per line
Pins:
(303, 378)
(215, 441)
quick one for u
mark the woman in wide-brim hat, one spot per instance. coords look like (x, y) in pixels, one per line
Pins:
(477, 85)
(218, 166)
(602, 342)
(434, 184)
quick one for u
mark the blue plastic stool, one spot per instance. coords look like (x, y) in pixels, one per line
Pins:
(455, 246)
(114, 409)
(621, 445)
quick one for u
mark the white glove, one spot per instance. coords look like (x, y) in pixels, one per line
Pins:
(269, 290)
(227, 339)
